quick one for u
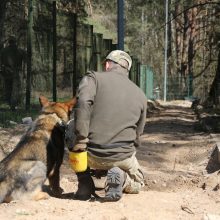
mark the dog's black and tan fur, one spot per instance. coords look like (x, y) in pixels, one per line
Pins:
(37, 156)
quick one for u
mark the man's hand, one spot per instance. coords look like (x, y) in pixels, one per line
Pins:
(80, 145)
(72, 141)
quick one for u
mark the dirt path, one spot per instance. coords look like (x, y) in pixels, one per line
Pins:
(174, 157)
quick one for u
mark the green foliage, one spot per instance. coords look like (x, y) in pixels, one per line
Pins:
(100, 28)
(73, 6)
(144, 36)
(145, 31)
(104, 18)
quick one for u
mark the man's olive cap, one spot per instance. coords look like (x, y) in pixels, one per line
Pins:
(117, 56)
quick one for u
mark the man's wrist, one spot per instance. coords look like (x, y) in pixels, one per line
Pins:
(80, 145)
(82, 141)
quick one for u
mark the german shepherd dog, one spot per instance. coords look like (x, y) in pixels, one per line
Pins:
(37, 156)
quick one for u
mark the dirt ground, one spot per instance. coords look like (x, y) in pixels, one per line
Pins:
(175, 155)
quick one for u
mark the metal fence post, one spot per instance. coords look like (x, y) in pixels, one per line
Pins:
(121, 24)
(54, 51)
(74, 79)
(29, 54)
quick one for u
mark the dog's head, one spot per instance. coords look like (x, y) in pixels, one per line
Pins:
(62, 109)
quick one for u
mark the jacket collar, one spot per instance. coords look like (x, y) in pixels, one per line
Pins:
(119, 69)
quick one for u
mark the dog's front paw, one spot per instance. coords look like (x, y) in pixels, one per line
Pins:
(40, 195)
(8, 199)
(57, 192)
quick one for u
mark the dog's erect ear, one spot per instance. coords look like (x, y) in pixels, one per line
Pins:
(71, 103)
(43, 101)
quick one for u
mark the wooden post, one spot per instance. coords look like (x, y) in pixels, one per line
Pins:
(29, 54)
(138, 74)
(89, 34)
(97, 50)
(74, 78)
(106, 48)
(54, 51)
(134, 69)
(114, 47)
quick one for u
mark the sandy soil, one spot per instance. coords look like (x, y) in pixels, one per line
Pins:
(174, 156)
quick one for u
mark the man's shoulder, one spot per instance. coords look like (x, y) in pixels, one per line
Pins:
(139, 92)
(90, 76)
(94, 74)
(136, 87)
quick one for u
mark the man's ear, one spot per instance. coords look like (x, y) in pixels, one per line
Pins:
(107, 65)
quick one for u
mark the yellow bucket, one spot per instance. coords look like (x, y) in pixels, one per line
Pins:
(78, 161)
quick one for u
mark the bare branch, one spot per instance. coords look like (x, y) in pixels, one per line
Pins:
(187, 9)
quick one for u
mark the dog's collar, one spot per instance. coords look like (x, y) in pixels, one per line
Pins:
(65, 124)
(62, 124)
(70, 121)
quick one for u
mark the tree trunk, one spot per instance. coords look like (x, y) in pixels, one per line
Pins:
(214, 94)
(2, 19)
(191, 48)
(178, 38)
(90, 8)
(185, 45)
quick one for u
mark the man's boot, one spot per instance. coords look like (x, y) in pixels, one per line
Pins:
(86, 186)
(115, 180)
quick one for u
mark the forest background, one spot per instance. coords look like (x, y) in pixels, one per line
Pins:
(193, 40)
